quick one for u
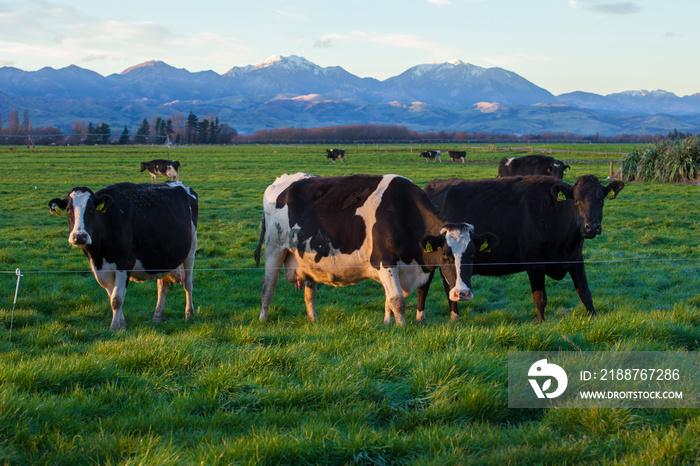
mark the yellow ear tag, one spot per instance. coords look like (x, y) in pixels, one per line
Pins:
(561, 196)
(57, 210)
(612, 195)
(484, 246)
(428, 247)
(101, 207)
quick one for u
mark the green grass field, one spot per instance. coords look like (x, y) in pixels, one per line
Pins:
(225, 388)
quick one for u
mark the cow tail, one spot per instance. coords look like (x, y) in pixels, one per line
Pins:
(258, 248)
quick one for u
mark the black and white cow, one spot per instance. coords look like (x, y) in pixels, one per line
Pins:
(162, 167)
(333, 154)
(458, 155)
(532, 165)
(432, 155)
(344, 230)
(541, 224)
(135, 232)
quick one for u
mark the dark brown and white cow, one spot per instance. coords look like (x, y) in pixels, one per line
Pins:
(431, 155)
(532, 165)
(334, 154)
(541, 224)
(162, 167)
(135, 232)
(344, 230)
(458, 155)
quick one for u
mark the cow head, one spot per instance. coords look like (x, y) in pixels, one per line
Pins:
(453, 251)
(589, 196)
(81, 207)
(557, 169)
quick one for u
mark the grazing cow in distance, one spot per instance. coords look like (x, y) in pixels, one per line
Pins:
(541, 224)
(458, 155)
(162, 167)
(431, 154)
(345, 230)
(532, 165)
(135, 232)
(333, 154)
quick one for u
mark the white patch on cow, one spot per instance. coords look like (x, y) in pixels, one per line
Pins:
(458, 240)
(411, 276)
(80, 200)
(509, 161)
(175, 184)
(172, 173)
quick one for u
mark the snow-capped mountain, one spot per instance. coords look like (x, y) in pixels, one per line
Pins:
(293, 91)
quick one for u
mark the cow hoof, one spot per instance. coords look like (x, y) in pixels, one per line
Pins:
(158, 317)
(189, 315)
(118, 327)
(454, 316)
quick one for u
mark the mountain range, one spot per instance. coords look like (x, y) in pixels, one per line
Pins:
(291, 91)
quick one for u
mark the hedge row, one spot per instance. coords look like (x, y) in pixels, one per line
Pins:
(665, 161)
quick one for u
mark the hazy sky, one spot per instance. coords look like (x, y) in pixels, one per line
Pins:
(600, 46)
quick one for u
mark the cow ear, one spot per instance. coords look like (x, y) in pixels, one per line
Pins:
(103, 202)
(57, 206)
(615, 187)
(485, 242)
(566, 167)
(432, 243)
(562, 192)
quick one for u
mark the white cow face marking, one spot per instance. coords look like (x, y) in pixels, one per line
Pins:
(80, 215)
(458, 240)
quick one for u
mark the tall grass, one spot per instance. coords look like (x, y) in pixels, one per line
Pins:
(665, 161)
(225, 388)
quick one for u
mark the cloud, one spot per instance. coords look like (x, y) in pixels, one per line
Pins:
(672, 34)
(288, 15)
(409, 41)
(606, 8)
(324, 44)
(512, 59)
(440, 2)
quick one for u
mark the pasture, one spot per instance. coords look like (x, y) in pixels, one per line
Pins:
(225, 388)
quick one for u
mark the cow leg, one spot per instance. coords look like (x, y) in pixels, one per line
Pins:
(188, 282)
(395, 301)
(273, 265)
(163, 287)
(578, 276)
(539, 294)
(116, 290)
(310, 299)
(454, 307)
(422, 293)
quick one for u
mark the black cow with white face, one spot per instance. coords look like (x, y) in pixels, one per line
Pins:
(431, 154)
(458, 155)
(532, 165)
(135, 232)
(162, 167)
(334, 154)
(344, 230)
(541, 224)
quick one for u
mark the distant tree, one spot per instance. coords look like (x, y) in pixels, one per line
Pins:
(143, 132)
(124, 138)
(191, 128)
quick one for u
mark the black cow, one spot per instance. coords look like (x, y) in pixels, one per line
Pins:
(344, 230)
(135, 232)
(333, 154)
(458, 155)
(162, 167)
(432, 155)
(541, 224)
(532, 165)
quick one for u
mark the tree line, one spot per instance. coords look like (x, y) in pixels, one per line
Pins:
(353, 134)
(177, 129)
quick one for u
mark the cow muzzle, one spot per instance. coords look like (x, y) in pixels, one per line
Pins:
(461, 294)
(79, 238)
(591, 230)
